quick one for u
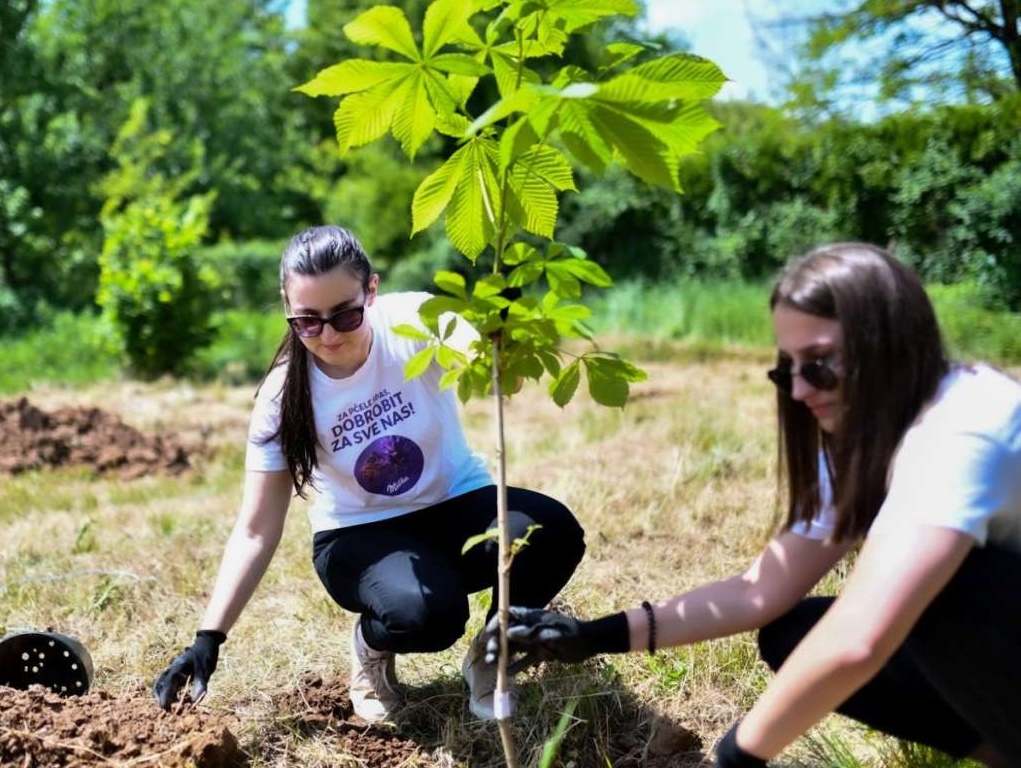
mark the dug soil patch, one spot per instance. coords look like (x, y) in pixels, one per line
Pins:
(32, 439)
(42, 729)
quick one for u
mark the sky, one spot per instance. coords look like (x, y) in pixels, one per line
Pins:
(719, 30)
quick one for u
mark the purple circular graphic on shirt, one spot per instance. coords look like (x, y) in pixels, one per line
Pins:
(390, 465)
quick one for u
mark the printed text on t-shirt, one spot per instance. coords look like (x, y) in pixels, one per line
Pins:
(371, 418)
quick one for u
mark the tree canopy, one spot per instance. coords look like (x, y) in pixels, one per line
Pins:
(905, 52)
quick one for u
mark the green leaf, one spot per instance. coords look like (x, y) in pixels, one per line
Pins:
(470, 383)
(446, 23)
(582, 138)
(641, 152)
(490, 285)
(563, 387)
(685, 130)
(350, 77)
(452, 124)
(364, 117)
(459, 64)
(450, 377)
(549, 360)
(433, 307)
(471, 216)
(414, 118)
(446, 356)
(386, 26)
(419, 363)
(586, 271)
(570, 313)
(411, 332)
(606, 383)
(452, 282)
(491, 535)
(525, 274)
(575, 14)
(550, 165)
(517, 139)
(519, 101)
(517, 253)
(535, 180)
(529, 366)
(680, 76)
(445, 99)
(436, 190)
(620, 53)
(561, 281)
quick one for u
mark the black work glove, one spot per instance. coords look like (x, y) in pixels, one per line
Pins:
(197, 662)
(535, 635)
(730, 755)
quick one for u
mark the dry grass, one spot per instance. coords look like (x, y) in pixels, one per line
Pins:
(676, 489)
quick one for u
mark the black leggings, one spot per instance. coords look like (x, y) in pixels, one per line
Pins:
(955, 684)
(408, 579)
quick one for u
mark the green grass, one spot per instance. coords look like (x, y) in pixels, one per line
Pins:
(73, 351)
(726, 313)
(973, 332)
(675, 490)
(708, 316)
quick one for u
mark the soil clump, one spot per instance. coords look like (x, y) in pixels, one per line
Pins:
(33, 439)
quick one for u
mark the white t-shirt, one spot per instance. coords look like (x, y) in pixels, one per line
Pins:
(386, 446)
(958, 466)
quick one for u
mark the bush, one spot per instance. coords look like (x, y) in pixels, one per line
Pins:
(248, 272)
(154, 291)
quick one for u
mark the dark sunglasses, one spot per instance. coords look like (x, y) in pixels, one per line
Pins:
(344, 321)
(819, 373)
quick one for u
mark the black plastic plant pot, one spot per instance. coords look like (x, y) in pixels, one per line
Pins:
(49, 659)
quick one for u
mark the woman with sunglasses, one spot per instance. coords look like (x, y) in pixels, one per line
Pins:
(397, 491)
(886, 444)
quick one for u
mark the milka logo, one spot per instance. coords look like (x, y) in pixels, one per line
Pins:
(395, 486)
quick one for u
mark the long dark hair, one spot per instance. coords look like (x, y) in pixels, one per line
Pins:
(314, 251)
(894, 360)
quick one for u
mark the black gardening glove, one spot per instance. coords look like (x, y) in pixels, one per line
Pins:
(535, 635)
(197, 662)
(730, 755)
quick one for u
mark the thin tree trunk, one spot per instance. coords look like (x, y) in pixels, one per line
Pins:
(1011, 39)
(502, 697)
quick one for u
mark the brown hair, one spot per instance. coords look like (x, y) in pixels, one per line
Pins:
(314, 251)
(894, 360)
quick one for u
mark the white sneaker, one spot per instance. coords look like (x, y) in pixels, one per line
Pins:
(481, 679)
(373, 680)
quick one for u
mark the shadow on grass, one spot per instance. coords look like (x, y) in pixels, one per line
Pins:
(315, 724)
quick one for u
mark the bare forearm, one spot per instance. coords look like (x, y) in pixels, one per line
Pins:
(892, 583)
(815, 680)
(245, 560)
(715, 610)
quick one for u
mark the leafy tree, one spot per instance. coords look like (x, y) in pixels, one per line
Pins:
(498, 192)
(918, 51)
(210, 71)
(47, 220)
(158, 296)
(69, 71)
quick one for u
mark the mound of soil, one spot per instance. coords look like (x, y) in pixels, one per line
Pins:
(42, 729)
(31, 439)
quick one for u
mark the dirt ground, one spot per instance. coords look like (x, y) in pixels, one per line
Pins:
(31, 438)
(42, 729)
